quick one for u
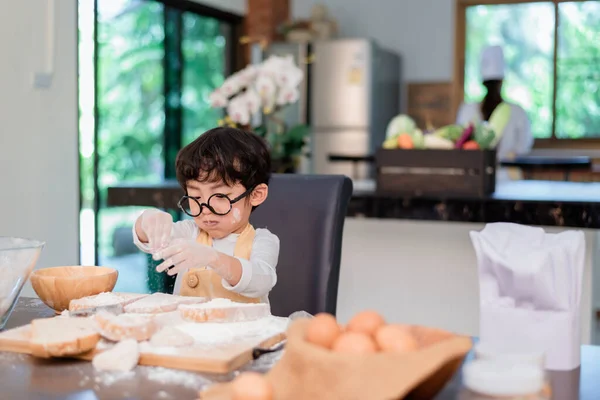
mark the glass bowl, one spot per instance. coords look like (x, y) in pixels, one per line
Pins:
(18, 257)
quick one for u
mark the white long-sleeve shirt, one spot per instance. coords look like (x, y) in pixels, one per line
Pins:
(258, 273)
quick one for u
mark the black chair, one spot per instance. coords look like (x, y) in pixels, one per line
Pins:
(307, 213)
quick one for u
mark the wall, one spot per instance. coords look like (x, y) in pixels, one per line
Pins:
(421, 31)
(38, 131)
(394, 24)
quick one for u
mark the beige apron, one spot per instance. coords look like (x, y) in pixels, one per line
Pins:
(204, 282)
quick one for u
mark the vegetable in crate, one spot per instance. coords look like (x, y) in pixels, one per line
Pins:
(450, 132)
(391, 143)
(438, 143)
(405, 142)
(465, 137)
(470, 145)
(399, 125)
(484, 135)
(418, 139)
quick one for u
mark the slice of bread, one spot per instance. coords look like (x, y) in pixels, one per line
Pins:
(125, 326)
(160, 303)
(224, 310)
(104, 299)
(62, 337)
(123, 357)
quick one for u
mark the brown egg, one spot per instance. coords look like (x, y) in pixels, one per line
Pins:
(251, 386)
(396, 338)
(354, 343)
(366, 322)
(323, 330)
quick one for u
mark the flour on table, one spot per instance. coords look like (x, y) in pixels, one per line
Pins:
(171, 337)
(168, 376)
(109, 378)
(208, 336)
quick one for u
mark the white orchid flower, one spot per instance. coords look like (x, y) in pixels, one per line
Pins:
(287, 95)
(271, 65)
(274, 82)
(238, 110)
(231, 86)
(265, 87)
(253, 100)
(217, 99)
(247, 75)
(289, 77)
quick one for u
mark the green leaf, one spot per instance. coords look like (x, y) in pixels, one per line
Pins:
(298, 132)
(260, 130)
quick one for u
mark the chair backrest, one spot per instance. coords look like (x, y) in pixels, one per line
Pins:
(307, 213)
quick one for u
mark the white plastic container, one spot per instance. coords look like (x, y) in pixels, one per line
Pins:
(501, 380)
(510, 353)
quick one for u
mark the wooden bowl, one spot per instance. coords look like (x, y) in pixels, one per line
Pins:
(57, 286)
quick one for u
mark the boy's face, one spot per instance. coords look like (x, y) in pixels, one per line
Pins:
(220, 226)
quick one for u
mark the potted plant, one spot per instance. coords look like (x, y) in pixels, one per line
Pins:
(260, 93)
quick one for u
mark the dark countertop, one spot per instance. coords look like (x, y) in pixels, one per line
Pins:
(549, 203)
(546, 203)
(23, 377)
(551, 163)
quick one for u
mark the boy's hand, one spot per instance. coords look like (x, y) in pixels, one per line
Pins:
(183, 254)
(157, 226)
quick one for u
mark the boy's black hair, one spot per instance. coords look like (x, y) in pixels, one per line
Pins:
(225, 154)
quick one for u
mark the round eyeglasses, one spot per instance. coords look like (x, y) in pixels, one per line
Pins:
(218, 203)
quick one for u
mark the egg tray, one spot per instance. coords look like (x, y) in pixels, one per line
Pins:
(306, 371)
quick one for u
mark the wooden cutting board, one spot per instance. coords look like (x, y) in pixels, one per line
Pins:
(216, 359)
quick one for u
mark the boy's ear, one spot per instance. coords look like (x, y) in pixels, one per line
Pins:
(259, 195)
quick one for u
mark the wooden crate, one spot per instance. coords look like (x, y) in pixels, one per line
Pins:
(439, 173)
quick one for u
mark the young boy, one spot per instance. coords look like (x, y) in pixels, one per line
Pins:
(225, 175)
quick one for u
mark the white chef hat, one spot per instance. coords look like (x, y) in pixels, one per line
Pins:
(492, 63)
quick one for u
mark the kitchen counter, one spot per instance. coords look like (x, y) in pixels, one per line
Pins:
(548, 203)
(23, 377)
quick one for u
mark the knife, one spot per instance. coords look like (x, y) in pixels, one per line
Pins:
(258, 352)
(86, 312)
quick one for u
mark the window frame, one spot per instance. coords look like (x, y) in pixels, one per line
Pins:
(236, 54)
(458, 81)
